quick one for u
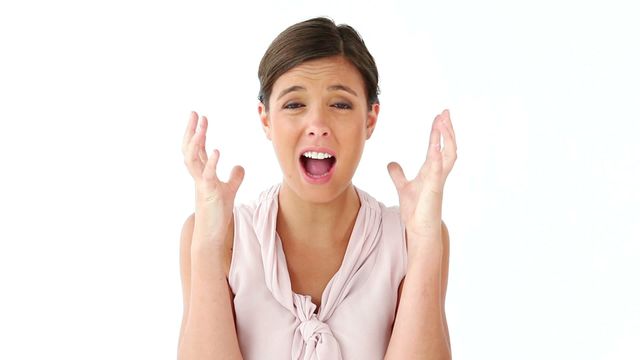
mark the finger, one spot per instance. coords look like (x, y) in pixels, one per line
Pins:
(203, 140)
(434, 137)
(204, 124)
(236, 177)
(451, 147)
(193, 157)
(397, 175)
(202, 155)
(434, 153)
(188, 133)
(448, 123)
(209, 173)
(197, 142)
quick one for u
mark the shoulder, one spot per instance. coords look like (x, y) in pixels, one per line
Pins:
(187, 228)
(185, 237)
(445, 240)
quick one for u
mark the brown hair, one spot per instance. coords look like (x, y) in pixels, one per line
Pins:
(312, 39)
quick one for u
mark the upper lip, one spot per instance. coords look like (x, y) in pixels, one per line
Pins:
(318, 149)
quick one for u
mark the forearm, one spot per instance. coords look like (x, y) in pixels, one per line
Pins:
(419, 331)
(210, 328)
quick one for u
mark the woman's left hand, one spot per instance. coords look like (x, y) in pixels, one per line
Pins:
(421, 198)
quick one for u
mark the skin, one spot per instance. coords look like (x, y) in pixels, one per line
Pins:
(315, 221)
(317, 114)
(208, 327)
(420, 330)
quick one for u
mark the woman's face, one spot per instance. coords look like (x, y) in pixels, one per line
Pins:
(318, 121)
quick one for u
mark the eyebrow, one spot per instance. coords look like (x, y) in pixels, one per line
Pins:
(330, 88)
(343, 88)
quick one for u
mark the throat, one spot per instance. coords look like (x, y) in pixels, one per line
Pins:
(316, 225)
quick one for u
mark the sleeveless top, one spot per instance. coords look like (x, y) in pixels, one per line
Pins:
(358, 305)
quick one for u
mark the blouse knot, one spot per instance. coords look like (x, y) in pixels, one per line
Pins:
(314, 330)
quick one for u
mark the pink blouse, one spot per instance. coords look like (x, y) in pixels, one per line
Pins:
(358, 305)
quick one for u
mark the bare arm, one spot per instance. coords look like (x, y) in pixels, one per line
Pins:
(208, 327)
(445, 279)
(420, 330)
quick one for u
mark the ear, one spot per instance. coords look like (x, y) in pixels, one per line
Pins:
(264, 119)
(372, 119)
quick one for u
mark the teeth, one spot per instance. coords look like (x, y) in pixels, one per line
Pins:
(317, 155)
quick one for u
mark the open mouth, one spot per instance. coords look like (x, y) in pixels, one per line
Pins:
(317, 165)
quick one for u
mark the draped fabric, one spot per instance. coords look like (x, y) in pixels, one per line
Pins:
(358, 304)
(313, 338)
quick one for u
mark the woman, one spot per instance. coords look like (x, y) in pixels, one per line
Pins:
(316, 268)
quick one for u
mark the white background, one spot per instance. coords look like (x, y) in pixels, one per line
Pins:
(542, 204)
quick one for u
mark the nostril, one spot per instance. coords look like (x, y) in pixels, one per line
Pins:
(314, 133)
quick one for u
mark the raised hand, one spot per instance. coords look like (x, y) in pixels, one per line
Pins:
(214, 198)
(421, 198)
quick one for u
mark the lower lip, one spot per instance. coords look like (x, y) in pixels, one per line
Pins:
(317, 180)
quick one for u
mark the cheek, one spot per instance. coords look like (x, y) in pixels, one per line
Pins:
(356, 144)
(354, 135)
(284, 146)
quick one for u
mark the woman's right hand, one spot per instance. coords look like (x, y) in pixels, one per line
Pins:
(214, 198)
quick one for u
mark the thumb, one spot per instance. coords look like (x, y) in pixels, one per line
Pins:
(236, 177)
(397, 175)
(209, 173)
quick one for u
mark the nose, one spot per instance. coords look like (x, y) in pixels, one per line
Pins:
(318, 124)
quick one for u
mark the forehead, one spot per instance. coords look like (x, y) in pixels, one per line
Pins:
(323, 72)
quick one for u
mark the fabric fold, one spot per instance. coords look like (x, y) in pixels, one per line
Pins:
(313, 338)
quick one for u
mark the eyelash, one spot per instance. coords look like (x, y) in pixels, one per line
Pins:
(288, 106)
(341, 106)
(346, 106)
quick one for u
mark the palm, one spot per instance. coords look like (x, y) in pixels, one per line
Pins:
(421, 198)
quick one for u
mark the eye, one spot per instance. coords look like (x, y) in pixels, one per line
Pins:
(342, 106)
(292, 106)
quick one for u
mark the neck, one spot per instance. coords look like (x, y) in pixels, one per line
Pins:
(318, 225)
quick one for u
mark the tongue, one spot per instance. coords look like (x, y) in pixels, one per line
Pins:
(317, 166)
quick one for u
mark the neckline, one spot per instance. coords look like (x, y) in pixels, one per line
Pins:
(349, 249)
